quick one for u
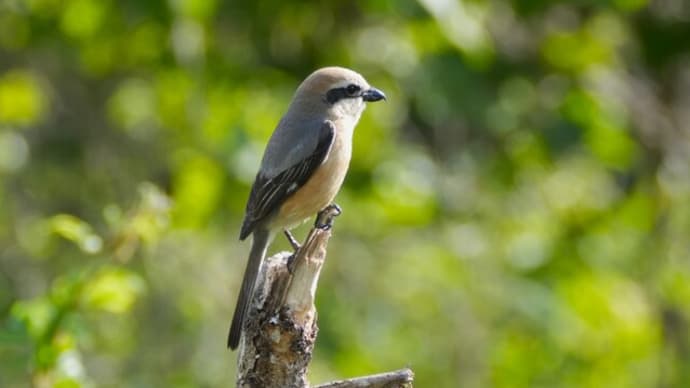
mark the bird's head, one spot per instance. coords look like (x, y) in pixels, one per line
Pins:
(340, 91)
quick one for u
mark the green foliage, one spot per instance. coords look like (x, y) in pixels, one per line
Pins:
(78, 231)
(516, 214)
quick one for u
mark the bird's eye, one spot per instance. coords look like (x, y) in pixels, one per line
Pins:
(352, 89)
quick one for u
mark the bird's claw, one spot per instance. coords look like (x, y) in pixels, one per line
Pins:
(324, 220)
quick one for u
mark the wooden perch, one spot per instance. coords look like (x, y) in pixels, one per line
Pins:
(279, 335)
(397, 379)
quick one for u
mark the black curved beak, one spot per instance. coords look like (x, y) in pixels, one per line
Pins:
(372, 95)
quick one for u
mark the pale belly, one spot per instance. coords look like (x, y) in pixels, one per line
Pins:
(318, 192)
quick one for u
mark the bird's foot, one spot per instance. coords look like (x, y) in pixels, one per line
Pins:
(324, 220)
(291, 239)
(296, 246)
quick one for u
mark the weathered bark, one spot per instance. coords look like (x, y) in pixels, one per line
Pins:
(279, 335)
(397, 379)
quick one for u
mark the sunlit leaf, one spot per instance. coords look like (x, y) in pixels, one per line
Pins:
(114, 290)
(77, 231)
(83, 18)
(22, 101)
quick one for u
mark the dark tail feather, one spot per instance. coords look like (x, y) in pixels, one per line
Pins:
(256, 256)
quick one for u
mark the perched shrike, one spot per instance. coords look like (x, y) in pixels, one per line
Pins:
(303, 166)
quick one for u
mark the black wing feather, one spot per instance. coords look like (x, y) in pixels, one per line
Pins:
(267, 195)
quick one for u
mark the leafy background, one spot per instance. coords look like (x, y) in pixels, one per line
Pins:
(516, 215)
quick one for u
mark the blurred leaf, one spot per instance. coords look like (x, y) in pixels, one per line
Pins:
(133, 107)
(200, 9)
(607, 139)
(631, 5)
(611, 145)
(36, 314)
(197, 188)
(575, 51)
(463, 24)
(83, 18)
(67, 383)
(114, 290)
(22, 101)
(77, 231)
(173, 89)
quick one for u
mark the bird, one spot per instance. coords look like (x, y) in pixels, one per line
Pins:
(302, 168)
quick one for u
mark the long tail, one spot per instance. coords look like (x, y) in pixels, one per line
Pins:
(260, 242)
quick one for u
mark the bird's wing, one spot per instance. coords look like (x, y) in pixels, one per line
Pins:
(268, 194)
